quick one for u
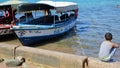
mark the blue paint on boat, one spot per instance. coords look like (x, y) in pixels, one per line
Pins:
(26, 41)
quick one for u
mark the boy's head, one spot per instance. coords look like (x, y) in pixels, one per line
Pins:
(108, 36)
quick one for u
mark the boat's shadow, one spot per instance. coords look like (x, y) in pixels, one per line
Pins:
(66, 35)
(4, 38)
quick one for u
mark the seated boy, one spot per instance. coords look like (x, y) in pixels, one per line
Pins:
(107, 48)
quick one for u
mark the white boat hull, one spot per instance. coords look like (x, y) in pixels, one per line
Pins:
(30, 36)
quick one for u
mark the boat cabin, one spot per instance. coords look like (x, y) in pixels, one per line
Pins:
(6, 14)
(45, 14)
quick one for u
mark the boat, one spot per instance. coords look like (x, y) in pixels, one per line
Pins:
(6, 19)
(44, 20)
(7, 16)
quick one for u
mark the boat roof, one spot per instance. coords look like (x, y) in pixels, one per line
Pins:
(58, 3)
(14, 3)
(61, 6)
(24, 8)
(41, 5)
(4, 7)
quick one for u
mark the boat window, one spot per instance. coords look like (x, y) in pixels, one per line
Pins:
(72, 14)
(64, 17)
(38, 14)
(18, 16)
(5, 16)
(24, 17)
(4, 13)
(52, 11)
(29, 16)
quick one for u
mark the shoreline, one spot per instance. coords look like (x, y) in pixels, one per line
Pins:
(53, 59)
(61, 45)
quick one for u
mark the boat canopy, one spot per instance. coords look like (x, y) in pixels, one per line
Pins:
(14, 3)
(44, 5)
(4, 7)
(61, 6)
(25, 8)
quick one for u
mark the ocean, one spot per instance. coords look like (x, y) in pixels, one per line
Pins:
(96, 17)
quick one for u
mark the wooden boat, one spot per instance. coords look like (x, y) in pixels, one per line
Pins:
(7, 16)
(44, 20)
(6, 19)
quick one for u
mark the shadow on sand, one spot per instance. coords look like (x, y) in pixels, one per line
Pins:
(4, 38)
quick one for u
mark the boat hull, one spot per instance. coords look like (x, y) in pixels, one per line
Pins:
(30, 36)
(26, 41)
(5, 31)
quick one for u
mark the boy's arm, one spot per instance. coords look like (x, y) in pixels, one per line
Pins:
(115, 45)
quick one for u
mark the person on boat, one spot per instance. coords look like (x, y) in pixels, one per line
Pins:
(47, 12)
(107, 49)
(29, 16)
(26, 16)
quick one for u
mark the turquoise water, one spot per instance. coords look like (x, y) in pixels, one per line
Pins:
(96, 17)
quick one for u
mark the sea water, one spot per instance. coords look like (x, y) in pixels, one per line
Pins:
(96, 17)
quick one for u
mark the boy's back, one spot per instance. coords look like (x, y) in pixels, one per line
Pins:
(105, 49)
